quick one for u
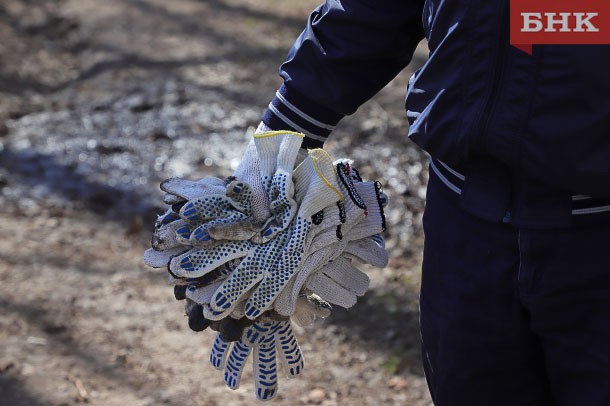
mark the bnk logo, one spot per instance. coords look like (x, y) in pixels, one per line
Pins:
(558, 22)
(567, 22)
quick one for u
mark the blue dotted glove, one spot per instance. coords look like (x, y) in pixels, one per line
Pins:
(270, 265)
(267, 341)
(203, 213)
(234, 279)
(185, 224)
(270, 175)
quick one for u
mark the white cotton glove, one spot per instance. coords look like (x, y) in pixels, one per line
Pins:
(178, 190)
(268, 167)
(278, 152)
(340, 282)
(370, 250)
(175, 235)
(248, 171)
(212, 214)
(266, 340)
(337, 280)
(185, 231)
(271, 265)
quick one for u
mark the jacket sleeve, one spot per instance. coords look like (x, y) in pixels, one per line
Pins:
(349, 51)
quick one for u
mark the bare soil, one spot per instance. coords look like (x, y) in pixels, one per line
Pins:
(99, 101)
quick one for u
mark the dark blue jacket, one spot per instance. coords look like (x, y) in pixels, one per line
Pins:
(528, 135)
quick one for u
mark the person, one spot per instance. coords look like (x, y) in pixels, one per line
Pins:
(515, 296)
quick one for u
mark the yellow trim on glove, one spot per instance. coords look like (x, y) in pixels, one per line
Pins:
(324, 155)
(274, 133)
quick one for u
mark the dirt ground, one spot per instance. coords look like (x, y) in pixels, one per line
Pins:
(99, 101)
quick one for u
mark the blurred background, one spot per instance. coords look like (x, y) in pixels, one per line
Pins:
(99, 102)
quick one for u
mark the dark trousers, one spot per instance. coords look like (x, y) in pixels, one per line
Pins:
(513, 316)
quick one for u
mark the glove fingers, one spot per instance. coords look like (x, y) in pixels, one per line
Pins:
(198, 262)
(369, 251)
(346, 275)
(283, 210)
(289, 351)
(262, 298)
(237, 312)
(283, 206)
(235, 364)
(375, 200)
(202, 295)
(160, 259)
(287, 299)
(370, 225)
(330, 291)
(325, 238)
(219, 353)
(246, 275)
(249, 170)
(278, 152)
(265, 368)
(284, 304)
(170, 199)
(316, 184)
(267, 291)
(202, 237)
(185, 189)
(212, 314)
(197, 321)
(168, 217)
(237, 230)
(348, 185)
(205, 208)
(231, 329)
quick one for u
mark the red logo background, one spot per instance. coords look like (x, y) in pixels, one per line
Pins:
(525, 40)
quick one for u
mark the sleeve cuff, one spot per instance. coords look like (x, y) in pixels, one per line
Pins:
(290, 111)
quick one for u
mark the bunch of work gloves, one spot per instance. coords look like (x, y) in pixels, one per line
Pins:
(278, 242)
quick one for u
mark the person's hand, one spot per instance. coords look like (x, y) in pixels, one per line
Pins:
(298, 272)
(266, 166)
(271, 265)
